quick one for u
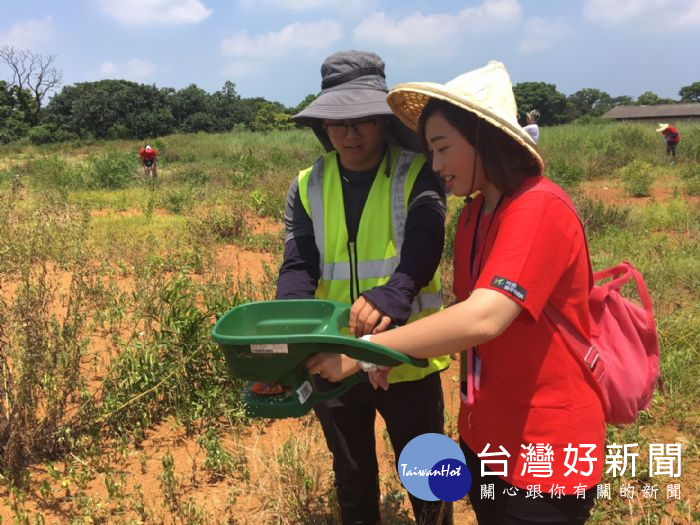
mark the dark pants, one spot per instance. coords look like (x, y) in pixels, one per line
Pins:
(409, 409)
(671, 148)
(505, 509)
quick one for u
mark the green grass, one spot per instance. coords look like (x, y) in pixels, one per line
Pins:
(148, 286)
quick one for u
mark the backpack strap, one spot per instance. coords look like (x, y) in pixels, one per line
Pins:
(578, 345)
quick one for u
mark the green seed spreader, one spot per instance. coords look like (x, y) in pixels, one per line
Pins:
(269, 341)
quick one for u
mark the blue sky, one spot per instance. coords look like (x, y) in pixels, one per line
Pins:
(274, 48)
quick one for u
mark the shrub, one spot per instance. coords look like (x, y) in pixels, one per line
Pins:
(692, 185)
(598, 217)
(194, 177)
(267, 204)
(41, 135)
(172, 367)
(566, 174)
(177, 200)
(55, 173)
(690, 173)
(118, 131)
(112, 170)
(638, 178)
(40, 352)
(224, 226)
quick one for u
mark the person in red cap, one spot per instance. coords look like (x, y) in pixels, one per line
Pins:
(671, 136)
(149, 161)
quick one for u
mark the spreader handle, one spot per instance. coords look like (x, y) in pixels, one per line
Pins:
(367, 351)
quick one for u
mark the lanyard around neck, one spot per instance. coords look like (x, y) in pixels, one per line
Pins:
(474, 267)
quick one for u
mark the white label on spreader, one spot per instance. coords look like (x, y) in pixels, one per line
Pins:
(269, 349)
(304, 391)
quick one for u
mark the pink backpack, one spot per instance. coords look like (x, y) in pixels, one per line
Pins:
(623, 353)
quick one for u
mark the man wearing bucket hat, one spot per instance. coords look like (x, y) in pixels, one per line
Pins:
(671, 136)
(365, 226)
(519, 247)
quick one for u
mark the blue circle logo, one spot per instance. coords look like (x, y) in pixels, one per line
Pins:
(432, 467)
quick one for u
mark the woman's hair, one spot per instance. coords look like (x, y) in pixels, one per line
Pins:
(532, 116)
(506, 162)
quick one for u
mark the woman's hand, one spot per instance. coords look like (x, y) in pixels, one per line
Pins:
(365, 318)
(333, 367)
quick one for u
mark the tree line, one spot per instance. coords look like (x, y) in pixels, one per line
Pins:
(129, 110)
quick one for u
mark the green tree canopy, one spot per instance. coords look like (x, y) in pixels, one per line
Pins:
(108, 108)
(543, 97)
(690, 93)
(229, 109)
(15, 112)
(187, 102)
(589, 101)
(622, 100)
(307, 100)
(649, 98)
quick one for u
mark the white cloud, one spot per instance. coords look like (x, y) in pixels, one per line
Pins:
(292, 38)
(540, 33)
(30, 34)
(342, 6)
(649, 15)
(691, 18)
(156, 12)
(435, 30)
(135, 69)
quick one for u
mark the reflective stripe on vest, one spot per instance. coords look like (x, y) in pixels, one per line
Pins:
(379, 240)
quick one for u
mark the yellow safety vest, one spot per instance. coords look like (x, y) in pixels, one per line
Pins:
(347, 268)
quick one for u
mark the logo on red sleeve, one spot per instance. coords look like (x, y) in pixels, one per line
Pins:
(510, 287)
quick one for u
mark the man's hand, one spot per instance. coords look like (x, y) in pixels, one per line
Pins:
(333, 367)
(365, 318)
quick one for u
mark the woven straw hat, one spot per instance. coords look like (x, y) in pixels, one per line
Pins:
(487, 92)
(662, 127)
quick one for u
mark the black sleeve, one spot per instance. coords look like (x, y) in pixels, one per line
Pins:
(421, 251)
(300, 270)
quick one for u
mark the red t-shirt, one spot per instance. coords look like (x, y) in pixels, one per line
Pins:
(672, 135)
(148, 155)
(532, 391)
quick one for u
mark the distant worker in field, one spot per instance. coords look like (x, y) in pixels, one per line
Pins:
(532, 128)
(365, 226)
(149, 161)
(671, 136)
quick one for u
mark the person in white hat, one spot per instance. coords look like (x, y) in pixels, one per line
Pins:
(531, 127)
(365, 226)
(528, 404)
(671, 136)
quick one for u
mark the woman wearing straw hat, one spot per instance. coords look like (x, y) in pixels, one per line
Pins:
(671, 136)
(365, 226)
(529, 411)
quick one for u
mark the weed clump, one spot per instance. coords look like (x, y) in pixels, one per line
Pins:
(691, 179)
(598, 217)
(637, 177)
(564, 173)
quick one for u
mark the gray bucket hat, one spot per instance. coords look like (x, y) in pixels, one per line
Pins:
(353, 85)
